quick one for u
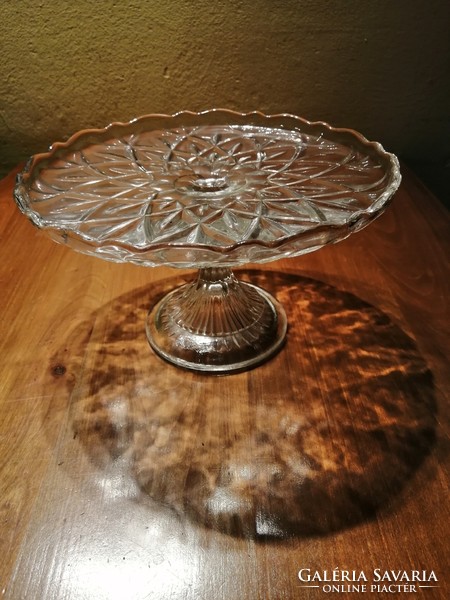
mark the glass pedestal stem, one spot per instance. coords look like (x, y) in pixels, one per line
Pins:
(217, 324)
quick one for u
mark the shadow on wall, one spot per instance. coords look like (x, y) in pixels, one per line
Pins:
(316, 440)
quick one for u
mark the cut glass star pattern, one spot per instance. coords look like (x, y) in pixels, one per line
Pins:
(202, 194)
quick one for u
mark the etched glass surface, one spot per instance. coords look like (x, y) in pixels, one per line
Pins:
(156, 192)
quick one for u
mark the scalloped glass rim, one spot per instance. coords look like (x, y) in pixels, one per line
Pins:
(201, 254)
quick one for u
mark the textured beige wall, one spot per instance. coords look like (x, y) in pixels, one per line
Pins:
(379, 66)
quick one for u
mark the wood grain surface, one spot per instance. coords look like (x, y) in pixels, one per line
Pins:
(125, 478)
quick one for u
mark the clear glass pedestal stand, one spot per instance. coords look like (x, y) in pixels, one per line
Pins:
(210, 190)
(217, 324)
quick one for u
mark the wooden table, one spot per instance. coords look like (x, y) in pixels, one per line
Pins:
(123, 477)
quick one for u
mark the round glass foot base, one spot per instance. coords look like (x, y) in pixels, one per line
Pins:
(217, 324)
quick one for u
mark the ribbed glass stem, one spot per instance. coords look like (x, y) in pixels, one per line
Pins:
(215, 274)
(216, 323)
(216, 303)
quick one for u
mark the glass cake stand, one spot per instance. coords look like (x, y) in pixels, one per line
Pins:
(211, 190)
